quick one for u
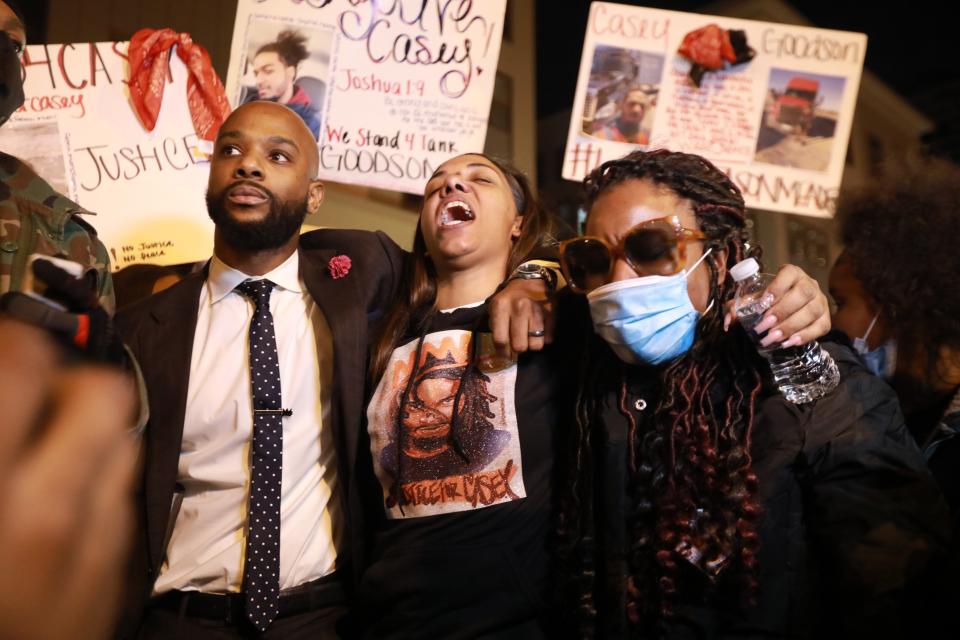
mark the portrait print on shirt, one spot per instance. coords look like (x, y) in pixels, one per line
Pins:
(418, 442)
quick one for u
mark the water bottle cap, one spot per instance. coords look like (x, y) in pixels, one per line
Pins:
(744, 269)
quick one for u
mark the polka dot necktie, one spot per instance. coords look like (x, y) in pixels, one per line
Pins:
(262, 573)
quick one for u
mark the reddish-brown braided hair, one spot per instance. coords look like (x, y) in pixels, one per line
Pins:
(691, 485)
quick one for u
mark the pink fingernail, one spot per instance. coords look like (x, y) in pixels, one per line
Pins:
(767, 323)
(793, 341)
(772, 337)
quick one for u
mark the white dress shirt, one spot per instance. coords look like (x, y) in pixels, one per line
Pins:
(206, 550)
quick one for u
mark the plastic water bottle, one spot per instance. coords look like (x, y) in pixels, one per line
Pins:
(803, 373)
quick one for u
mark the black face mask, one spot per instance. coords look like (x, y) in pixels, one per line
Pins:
(11, 80)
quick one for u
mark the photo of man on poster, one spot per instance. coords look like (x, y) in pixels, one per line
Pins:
(628, 125)
(281, 77)
(621, 95)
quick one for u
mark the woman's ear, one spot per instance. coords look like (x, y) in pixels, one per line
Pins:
(721, 262)
(517, 229)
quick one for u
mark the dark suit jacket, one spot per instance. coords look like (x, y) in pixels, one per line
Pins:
(160, 331)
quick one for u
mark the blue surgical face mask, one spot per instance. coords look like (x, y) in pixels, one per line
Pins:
(881, 361)
(646, 320)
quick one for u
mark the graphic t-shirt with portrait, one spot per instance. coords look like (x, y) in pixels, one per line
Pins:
(418, 447)
(467, 507)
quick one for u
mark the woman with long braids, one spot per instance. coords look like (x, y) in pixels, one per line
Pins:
(700, 502)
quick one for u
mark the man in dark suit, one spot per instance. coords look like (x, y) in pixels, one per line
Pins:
(229, 546)
(191, 342)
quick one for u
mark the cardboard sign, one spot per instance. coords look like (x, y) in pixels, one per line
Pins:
(770, 104)
(79, 132)
(390, 90)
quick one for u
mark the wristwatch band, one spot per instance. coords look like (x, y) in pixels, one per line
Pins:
(535, 271)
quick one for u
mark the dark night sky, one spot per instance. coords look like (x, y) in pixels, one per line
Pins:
(908, 49)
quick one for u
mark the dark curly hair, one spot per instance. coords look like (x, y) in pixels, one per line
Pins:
(290, 46)
(900, 235)
(691, 486)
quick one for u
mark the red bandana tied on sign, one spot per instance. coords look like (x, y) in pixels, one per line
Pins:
(709, 48)
(148, 56)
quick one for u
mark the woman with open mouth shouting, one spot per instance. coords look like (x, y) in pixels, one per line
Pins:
(461, 441)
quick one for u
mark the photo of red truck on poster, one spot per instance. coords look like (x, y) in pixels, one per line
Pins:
(793, 110)
(799, 119)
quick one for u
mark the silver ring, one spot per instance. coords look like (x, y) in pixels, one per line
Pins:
(539, 333)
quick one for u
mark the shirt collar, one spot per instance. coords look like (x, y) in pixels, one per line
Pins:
(222, 279)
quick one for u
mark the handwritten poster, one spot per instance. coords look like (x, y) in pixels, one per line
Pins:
(78, 131)
(770, 104)
(390, 90)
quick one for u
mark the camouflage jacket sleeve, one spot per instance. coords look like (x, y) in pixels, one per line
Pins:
(107, 299)
(35, 218)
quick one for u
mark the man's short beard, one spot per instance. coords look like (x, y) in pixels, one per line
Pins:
(283, 221)
(276, 98)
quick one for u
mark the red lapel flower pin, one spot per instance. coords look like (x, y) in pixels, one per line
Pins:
(339, 266)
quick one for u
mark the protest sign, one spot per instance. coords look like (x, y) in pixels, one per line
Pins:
(770, 104)
(390, 90)
(78, 131)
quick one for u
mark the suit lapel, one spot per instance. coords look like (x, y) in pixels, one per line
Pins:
(340, 302)
(168, 347)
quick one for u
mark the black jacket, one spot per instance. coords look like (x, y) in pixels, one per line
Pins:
(160, 332)
(851, 526)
